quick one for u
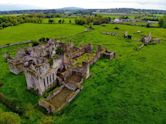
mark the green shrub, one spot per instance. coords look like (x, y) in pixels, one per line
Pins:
(9, 118)
(44, 39)
(80, 21)
(1, 84)
(162, 22)
(51, 21)
(116, 28)
(35, 43)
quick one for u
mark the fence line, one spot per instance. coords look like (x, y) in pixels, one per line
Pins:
(17, 43)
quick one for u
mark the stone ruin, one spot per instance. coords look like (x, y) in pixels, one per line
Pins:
(110, 33)
(126, 35)
(56, 65)
(147, 40)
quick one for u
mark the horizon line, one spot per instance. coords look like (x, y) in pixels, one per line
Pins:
(78, 8)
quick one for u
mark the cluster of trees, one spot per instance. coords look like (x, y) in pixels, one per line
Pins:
(124, 17)
(162, 22)
(147, 17)
(60, 21)
(95, 20)
(7, 21)
(150, 19)
(80, 21)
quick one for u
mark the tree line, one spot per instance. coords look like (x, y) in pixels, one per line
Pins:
(95, 20)
(7, 21)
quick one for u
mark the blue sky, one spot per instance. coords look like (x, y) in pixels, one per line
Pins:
(51, 4)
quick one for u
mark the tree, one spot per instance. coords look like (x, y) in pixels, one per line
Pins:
(69, 21)
(162, 22)
(50, 21)
(60, 21)
(80, 21)
(63, 21)
(148, 25)
(124, 17)
(9, 118)
(7, 21)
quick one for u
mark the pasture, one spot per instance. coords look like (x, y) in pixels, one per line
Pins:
(35, 31)
(130, 89)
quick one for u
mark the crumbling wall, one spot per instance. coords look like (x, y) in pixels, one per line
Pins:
(88, 48)
(15, 68)
(109, 55)
(49, 107)
(147, 39)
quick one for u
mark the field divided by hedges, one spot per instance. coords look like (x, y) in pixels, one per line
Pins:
(130, 89)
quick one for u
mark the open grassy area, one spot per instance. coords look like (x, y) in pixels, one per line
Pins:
(2, 15)
(35, 31)
(131, 89)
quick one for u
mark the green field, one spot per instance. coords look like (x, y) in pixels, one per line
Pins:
(131, 89)
(35, 31)
(2, 15)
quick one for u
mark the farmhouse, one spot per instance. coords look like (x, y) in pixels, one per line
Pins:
(55, 64)
(117, 20)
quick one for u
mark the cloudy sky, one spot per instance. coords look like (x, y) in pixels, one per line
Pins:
(51, 4)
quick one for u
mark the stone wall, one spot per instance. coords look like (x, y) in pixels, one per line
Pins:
(41, 82)
(15, 68)
(49, 107)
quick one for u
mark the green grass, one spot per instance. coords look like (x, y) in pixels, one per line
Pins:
(118, 15)
(131, 89)
(35, 31)
(2, 15)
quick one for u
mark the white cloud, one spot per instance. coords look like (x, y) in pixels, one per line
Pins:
(50, 4)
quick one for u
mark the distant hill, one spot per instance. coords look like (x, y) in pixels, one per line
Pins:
(77, 10)
(72, 8)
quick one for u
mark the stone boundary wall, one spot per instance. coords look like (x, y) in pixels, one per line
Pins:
(71, 97)
(49, 107)
(14, 44)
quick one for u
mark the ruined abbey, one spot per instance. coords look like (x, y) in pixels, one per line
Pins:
(57, 65)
